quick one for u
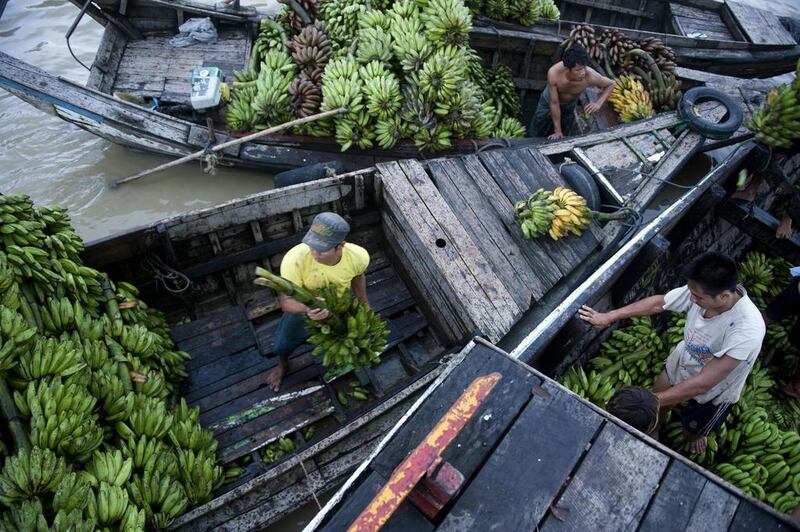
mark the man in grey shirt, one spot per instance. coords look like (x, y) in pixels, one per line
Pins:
(721, 341)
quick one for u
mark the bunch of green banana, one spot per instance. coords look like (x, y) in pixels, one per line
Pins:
(72, 494)
(549, 9)
(271, 102)
(442, 73)
(756, 273)
(388, 132)
(191, 435)
(777, 121)
(30, 473)
(355, 130)
(116, 402)
(199, 474)
(496, 9)
(134, 519)
(509, 128)
(52, 398)
(161, 497)
(29, 516)
(757, 391)
(535, 214)
(374, 44)
(143, 450)
(16, 337)
(277, 449)
(461, 110)
(239, 113)
(382, 96)
(673, 333)
(524, 12)
(109, 467)
(410, 46)
(138, 340)
(595, 387)
(746, 473)
(109, 504)
(352, 335)
(150, 417)
(48, 357)
(154, 384)
(69, 434)
(500, 89)
(556, 213)
(447, 22)
(341, 17)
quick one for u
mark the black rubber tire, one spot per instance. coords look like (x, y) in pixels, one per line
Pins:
(731, 122)
(580, 180)
(306, 173)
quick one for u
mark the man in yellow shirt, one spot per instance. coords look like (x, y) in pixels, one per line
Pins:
(324, 258)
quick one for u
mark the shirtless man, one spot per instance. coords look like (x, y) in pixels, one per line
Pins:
(566, 80)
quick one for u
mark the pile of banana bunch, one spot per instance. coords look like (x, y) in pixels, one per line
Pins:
(674, 436)
(354, 335)
(523, 12)
(557, 213)
(777, 121)
(68, 347)
(633, 355)
(630, 99)
(649, 61)
(403, 71)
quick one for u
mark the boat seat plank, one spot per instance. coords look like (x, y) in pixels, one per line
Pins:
(749, 518)
(675, 500)
(613, 484)
(494, 290)
(479, 436)
(445, 246)
(689, 20)
(405, 518)
(248, 359)
(202, 326)
(714, 510)
(487, 230)
(539, 261)
(227, 340)
(760, 26)
(504, 173)
(564, 428)
(256, 434)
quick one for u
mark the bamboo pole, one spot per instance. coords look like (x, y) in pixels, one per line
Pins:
(234, 142)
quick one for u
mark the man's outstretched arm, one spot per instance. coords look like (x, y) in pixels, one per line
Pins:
(644, 307)
(603, 83)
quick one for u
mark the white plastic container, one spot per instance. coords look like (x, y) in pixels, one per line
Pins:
(206, 83)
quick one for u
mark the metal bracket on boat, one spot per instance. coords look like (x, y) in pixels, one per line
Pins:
(423, 477)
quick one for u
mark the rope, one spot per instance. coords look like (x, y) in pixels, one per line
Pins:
(308, 483)
(498, 143)
(174, 281)
(209, 163)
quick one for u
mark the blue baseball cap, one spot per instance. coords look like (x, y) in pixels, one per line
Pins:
(326, 232)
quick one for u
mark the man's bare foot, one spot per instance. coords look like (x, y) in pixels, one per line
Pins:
(698, 446)
(784, 228)
(749, 192)
(275, 376)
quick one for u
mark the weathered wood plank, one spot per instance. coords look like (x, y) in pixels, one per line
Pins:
(495, 292)
(482, 431)
(435, 245)
(540, 262)
(675, 500)
(750, 518)
(612, 487)
(760, 26)
(551, 434)
(107, 58)
(487, 230)
(404, 519)
(714, 509)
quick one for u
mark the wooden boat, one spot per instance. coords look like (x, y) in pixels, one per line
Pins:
(448, 260)
(134, 58)
(729, 37)
(492, 429)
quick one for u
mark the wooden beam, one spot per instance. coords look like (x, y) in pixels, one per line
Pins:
(761, 226)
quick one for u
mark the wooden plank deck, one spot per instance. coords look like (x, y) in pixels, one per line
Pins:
(550, 461)
(760, 26)
(453, 224)
(153, 68)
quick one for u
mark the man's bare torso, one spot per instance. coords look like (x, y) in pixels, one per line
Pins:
(568, 91)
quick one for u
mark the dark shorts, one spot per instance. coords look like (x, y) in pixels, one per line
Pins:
(543, 120)
(291, 334)
(701, 418)
(785, 305)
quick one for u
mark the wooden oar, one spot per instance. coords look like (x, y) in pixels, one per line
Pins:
(234, 142)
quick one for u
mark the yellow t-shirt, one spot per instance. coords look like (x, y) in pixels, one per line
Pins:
(299, 266)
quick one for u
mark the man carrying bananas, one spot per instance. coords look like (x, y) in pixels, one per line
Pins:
(721, 341)
(566, 81)
(324, 258)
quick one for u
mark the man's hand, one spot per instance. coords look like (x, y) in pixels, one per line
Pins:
(593, 107)
(555, 136)
(598, 320)
(318, 314)
(784, 227)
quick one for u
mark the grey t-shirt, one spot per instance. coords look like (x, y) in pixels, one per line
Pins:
(737, 333)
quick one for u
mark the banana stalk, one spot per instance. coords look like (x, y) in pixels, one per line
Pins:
(286, 287)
